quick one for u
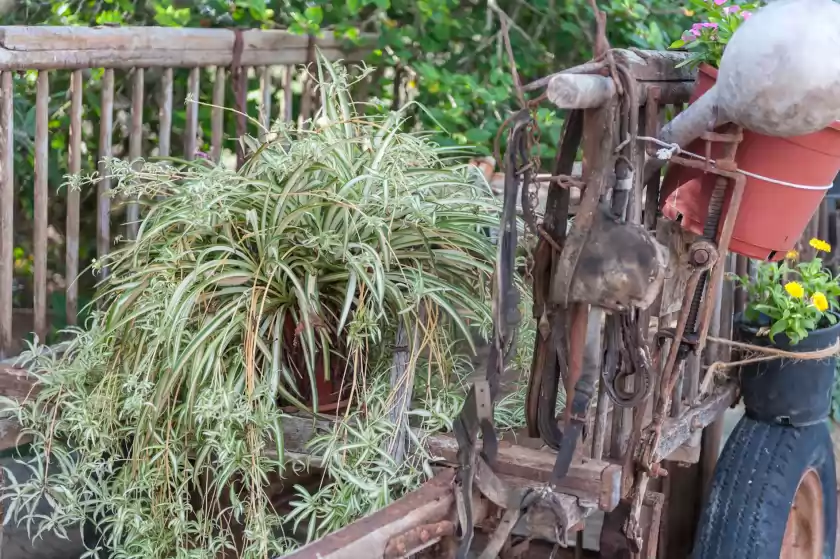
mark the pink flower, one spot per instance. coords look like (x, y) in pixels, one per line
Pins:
(708, 25)
(746, 15)
(732, 9)
(720, 2)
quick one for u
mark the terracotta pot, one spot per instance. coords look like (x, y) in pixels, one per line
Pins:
(772, 216)
(329, 390)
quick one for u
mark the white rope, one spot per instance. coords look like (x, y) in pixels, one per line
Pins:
(669, 150)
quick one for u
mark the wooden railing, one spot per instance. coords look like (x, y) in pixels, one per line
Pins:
(49, 51)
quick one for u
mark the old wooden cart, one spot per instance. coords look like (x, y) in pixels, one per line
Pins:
(652, 425)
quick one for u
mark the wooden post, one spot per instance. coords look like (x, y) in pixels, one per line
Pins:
(74, 166)
(165, 112)
(191, 130)
(42, 132)
(135, 147)
(106, 126)
(217, 117)
(7, 201)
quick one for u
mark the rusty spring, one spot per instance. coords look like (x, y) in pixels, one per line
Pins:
(709, 234)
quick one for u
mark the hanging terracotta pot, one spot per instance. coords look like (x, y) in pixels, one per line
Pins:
(772, 216)
(327, 386)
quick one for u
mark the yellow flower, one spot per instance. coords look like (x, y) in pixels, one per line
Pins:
(820, 301)
(792, 255)
(820, 245)
(795, 289)
(688, 12)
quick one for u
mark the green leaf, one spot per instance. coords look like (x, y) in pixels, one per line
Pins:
(315, 14)
(778, 327)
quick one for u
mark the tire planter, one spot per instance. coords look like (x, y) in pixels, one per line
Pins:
(772, 217)
(787, 391)
(773, 494)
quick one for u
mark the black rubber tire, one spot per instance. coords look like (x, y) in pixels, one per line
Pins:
(753, 488)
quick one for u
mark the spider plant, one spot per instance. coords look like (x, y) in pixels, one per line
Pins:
(162, 420)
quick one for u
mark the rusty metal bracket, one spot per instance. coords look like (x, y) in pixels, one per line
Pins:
(693, 323)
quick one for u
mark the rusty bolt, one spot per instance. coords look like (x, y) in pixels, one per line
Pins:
(700, 256)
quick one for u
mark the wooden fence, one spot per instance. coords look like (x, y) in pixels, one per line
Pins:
(214, 54)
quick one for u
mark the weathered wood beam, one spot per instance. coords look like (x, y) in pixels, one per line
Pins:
(421, 518)
(677, 431)
(369, 536)
(54, 48)
(590, 479)
(589, 91)
(580, 91)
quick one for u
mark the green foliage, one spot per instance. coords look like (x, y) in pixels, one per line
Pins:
(719, 20)
(792, 300)
(363, 475)
(338, 230)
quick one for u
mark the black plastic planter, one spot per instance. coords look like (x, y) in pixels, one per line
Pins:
(789, 391)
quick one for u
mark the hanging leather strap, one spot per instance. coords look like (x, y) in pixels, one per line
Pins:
(477, 413)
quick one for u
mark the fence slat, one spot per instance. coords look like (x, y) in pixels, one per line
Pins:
(74, 167)
(42, 135)
(7, 199)
(135, 146)
(288, 78)
(106, 126)
(218, 115)
(165, 131)
(265, 101)
(191, 132)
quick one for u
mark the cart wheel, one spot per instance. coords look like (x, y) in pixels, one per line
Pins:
(774, 494)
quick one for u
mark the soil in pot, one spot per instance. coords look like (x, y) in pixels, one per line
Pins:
(772, 216)
(789, 391)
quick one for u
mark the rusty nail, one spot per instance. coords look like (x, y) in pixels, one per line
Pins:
(696, 424)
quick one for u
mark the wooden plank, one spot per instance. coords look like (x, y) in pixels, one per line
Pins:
(589, 479)
(217, 117)
(191, 131)
(165, 114)
(678, 430)
(7, 199)
(46, 38)
(74, 167)
(265, 102)
(106, 126)
(39, 241)
(46, 47)
(135, 146)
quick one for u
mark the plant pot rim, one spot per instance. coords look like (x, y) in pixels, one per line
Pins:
(712, 72)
